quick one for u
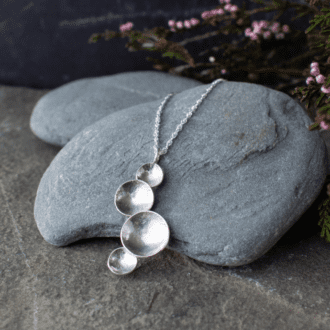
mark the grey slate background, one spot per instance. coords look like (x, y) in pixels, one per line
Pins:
(43, 43)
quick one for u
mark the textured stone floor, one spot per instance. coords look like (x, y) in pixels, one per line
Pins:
(46, 287)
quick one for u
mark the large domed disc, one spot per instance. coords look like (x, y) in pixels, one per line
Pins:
(145, 234)
(134, 196)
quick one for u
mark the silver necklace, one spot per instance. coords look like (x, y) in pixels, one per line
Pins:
(145, 233)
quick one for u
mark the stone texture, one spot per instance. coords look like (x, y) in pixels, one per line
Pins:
(65, 111)
(51, 288)
(241, 172)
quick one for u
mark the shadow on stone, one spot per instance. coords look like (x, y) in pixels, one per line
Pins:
(305, 231)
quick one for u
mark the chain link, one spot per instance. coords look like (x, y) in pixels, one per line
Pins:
(158, 152)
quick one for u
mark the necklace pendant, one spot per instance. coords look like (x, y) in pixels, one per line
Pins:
(151, 174)
(145, 233)
(134, 196)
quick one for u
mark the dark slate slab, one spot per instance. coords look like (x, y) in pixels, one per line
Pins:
(44, 44)
(239, 175)
(63, 112)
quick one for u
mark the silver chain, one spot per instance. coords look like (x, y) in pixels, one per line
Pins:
(158, 152)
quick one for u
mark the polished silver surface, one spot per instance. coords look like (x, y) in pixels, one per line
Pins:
(145, 234)
(121, 262)
(134, 196)
(150, 173)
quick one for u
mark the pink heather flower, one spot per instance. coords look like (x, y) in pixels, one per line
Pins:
(220, 11)
(320, 79)
(221, 1)
(314, 64)
(129, 25)
(171, 23)
(172, 29)
(213, 12)
(309, 79)
(263, 24)
(315, 71)
(267, 34)
(233, 8)
(187, 24)
(126, 27)
(205, 14)
(324, 125)
(223, 71)
(227, 6)
(253, 36)
(247, 32)
(194, 21)
(255, 24)
(179, 25)
(279, 36)
(275, 26)
(227, 1)
(325, 90)
(257, 29)
(285, 28)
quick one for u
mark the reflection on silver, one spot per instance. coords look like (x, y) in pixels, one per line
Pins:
(145, 234)
(121, 262)
(151, 174)
(134, 196)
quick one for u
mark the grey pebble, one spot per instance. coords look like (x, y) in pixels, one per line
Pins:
(238, 176)
(64, 111)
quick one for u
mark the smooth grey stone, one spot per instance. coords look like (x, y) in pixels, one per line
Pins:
(241, 172)
(63, 112)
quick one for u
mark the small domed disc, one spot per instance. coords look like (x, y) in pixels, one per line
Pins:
(151, 174)
(134, 196)
(121, 262)
(145, 234)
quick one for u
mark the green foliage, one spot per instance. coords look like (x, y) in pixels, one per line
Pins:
(176, 55)
(324, 109)
(320, 98)
(314, 127)
(317, 20)
(324, 222)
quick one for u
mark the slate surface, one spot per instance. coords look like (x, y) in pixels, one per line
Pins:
(46, 287)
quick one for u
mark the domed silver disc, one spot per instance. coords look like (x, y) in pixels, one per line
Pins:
(134, 196)
(151, 174)
(121, 262)
(145, 234)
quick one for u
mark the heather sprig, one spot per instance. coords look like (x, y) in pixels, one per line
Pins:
(317, 91)
(236, 62)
